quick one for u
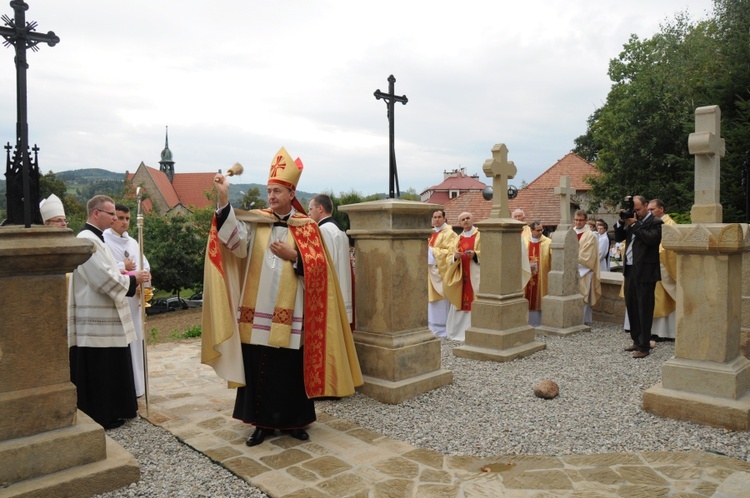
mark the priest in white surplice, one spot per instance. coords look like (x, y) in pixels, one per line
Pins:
(126, 251)
(589, 283)
(440, 250)
(100, 325)
(320, 209)
(462, 281)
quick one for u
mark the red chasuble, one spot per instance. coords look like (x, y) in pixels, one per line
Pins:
(467, 290)
(532, 288)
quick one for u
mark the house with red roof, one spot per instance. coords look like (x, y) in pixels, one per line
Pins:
(172, 193)
(454, 184)
(537, 199)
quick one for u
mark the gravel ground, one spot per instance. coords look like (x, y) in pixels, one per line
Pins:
(489, 409)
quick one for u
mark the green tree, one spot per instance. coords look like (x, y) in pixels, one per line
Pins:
(253, 200)
(410, 195)
(176, 247)
(638, 138)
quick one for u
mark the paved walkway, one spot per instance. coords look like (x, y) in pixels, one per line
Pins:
(343, 460)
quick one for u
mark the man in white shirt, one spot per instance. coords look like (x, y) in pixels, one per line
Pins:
(320, 209)
(601, 231)
(126, 251)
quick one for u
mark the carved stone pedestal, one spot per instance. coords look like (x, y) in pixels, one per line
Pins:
(47, 446)
(500, 329)
(708, 380)
(562, 307)
(399, 356)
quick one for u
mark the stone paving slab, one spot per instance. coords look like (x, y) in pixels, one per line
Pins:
(342, 459)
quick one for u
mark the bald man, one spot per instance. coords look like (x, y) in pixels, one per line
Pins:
(462, 280)
(519, 215)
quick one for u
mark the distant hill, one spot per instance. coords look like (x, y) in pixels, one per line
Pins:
(85, 183)
(89, 175)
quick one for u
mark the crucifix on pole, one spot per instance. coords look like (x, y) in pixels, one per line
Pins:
(390, 99)
(22, 176)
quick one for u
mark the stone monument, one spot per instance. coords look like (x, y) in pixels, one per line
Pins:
(562, 307)
(745, 329)
(47, 446)
(708, 380)
(399, 355)
(500, 314)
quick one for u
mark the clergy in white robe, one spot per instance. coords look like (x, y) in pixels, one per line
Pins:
(126, 251)
(440, 249)
(274, 324)
(100, 325)
(320, 209)
(589, 282)
(462, 280)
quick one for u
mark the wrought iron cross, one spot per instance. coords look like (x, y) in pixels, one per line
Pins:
(22, 176)
(390, 99)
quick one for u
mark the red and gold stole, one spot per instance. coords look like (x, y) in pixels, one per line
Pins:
(532, 288)
(467, 290)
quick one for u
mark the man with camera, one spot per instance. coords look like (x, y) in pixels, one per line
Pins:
(642, 232)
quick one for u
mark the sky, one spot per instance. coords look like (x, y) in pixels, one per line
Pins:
(236, 80)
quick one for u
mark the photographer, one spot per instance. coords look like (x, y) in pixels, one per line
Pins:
(642, 232)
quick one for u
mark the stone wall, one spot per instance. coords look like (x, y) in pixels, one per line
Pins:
(611, 307)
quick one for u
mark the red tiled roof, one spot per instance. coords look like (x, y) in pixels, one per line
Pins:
(538, 200)
(573, 166)
(191, 187)
(459, 182)
(164, 185)
(473, 202)
(439, 198)
(541, 204)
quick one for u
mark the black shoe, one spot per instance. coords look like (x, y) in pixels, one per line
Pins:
(300, 434)
(114, 424)
(258, 436)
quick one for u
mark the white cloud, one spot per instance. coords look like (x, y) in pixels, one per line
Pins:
(236, 80)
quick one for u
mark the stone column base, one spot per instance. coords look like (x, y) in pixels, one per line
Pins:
(78, 460)
(726, 380)
(544, 330)
(499, 345)
(562, 315)
(733, 414)
(393, 393)
(401, 365)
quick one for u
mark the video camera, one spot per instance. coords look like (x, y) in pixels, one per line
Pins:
(628, 208)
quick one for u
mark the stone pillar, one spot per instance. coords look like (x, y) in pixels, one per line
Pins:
(500, 329)
(708, 380)
(562, 307)
(47, 447)
(745, 321)
(708, 147)
(399, 356)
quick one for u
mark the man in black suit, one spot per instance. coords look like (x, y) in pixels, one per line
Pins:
(642, 233)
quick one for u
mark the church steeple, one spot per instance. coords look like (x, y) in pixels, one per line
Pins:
(167, 164)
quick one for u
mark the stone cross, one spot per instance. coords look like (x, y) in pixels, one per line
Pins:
(708, 148)
(565, 191)
(22, 175)
(390, 99)
(501, 170)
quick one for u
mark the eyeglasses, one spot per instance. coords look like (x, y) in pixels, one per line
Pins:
(103, 211)
(61, 221)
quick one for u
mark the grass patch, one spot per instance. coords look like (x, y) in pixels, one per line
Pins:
(189, 333)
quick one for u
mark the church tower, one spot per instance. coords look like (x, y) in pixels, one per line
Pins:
(167, 164)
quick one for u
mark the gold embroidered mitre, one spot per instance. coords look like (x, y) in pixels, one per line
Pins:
(284, 170)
